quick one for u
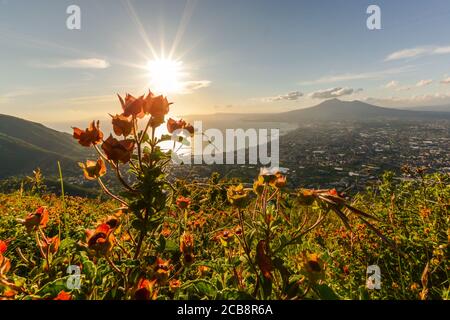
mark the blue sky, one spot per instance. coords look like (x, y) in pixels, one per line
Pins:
(234, 56)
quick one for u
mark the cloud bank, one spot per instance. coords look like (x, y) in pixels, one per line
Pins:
(417, 52)
(333, 93)
(90, 63)
(290, 96)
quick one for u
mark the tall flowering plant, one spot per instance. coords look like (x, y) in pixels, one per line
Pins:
(135, 149)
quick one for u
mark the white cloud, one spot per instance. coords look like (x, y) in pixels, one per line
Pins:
(291, 96)
(358, 76)
(92, 99)
(404, 88)
(91, 63)
(333, 93)
(391, 84)
(9, 96)
(442, 50)
(423, 83)
(406, 53)
(445, 80)
(190, 86)
(419, 84)
(417, 100)
(417, 52)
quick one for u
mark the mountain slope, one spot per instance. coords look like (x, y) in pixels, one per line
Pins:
(26, 145)
(40, 136)
(337, 110)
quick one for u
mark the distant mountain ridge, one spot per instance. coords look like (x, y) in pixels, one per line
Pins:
(333, 110)
(338, 110)
(26, 145)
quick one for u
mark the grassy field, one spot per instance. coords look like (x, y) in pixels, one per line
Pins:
(216, 240)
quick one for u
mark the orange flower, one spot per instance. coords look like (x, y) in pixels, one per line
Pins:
(333, 192)
(346, 270)
(89, 137)
(52, 244)
(157, 106)
(116, 150)
(63, 296)
(122, 125)
(145, 290)
(313, 266)
(174, 284)
(263, 260)
(189, 128)
(425, 212)
(272, 176)
(166, 232)
(37, 219)
(148, 102)
(5, 265)
(238, 196)
(237, 230)
(112, 221)
(132, 106)
(161, 270)
(3, 247)
(173, 125)
(187, 247)
(183, 203)
(279, 181)
(9, 294)
(258, 185)
(197, 222)
(202, 270)
(306, 197)
(224, 236)
(101, 239)
(93, 169)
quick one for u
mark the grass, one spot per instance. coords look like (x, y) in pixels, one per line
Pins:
(329, 262)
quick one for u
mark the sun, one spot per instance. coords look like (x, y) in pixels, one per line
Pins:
(165, 75)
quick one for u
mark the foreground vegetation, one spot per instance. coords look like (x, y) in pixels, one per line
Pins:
(219, 239)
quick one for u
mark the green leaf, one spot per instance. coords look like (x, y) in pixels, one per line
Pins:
(139, 225)
(165, 137)
(267, 287)
(146, 137)
(285, 274)
(162, 243)
(89, 269)
(53, 288)
(363, 294)
(325, 292)
(66, 243)
(171, 246)
(230, 294)
(202, 287)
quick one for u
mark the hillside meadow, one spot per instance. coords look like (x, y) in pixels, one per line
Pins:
(160, 239)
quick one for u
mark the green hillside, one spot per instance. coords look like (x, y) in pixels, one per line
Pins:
(26, 145)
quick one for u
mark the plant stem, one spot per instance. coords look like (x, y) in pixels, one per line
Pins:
(111, 194)
(138, 141)
(124, 183)
(141, 237)
(66, 231)
(245, 244)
